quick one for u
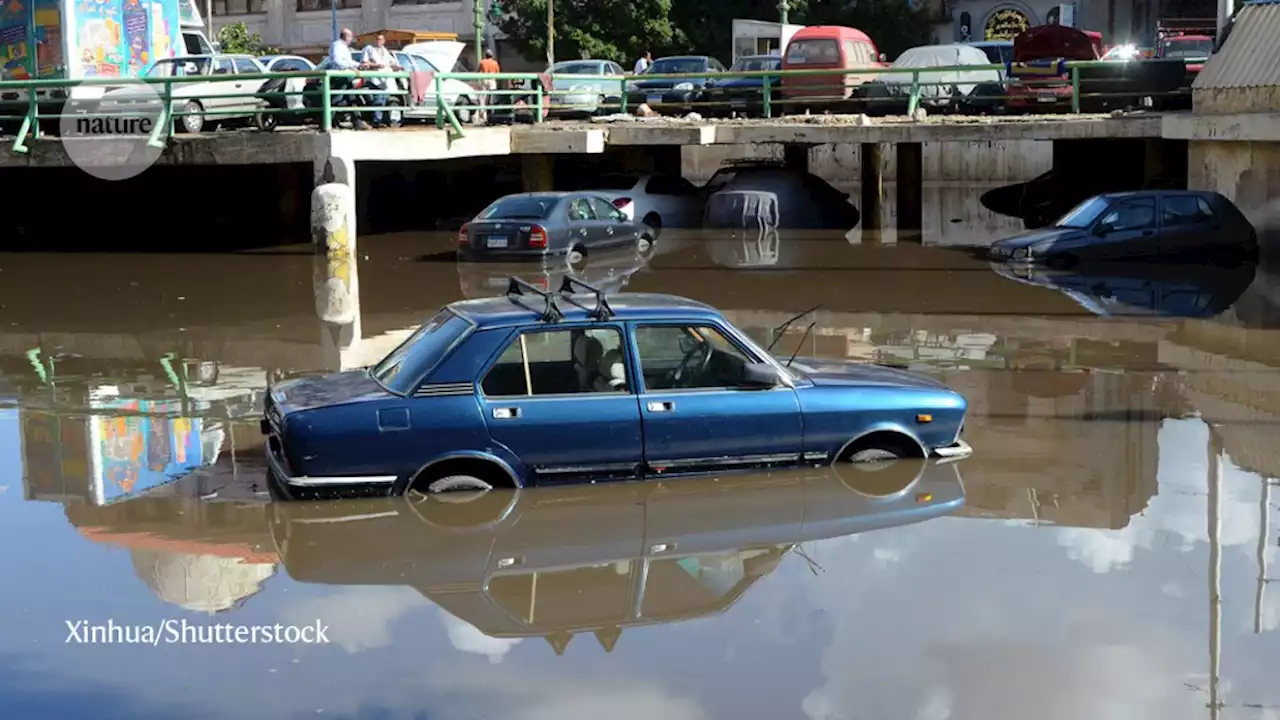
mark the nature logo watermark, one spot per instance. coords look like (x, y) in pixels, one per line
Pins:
(110, 137)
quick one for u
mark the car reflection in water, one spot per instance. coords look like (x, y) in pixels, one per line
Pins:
(553, 562)
(745, 248)
(609, 270)
(1141, 289)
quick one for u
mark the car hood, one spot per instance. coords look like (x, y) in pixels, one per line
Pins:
(668, 82)
(1036, 237)
(824, 371)
(315, 391)
(748, 82)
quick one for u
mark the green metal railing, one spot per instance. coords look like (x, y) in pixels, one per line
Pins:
(453, 100)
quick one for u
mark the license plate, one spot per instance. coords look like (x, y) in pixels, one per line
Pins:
(655, 99)
(1046, 97)
(496, 241)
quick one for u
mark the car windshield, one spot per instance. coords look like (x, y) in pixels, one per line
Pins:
(577, 68)
(676, 66)
(520, 208)
(421, 352)
(1084, 214)
(817, 51)
(179, 67)
(1188, 48)
(755, 64)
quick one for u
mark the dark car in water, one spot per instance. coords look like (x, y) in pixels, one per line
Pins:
(675, 94)
(745, 95)
(1149, 225)
(540, 226)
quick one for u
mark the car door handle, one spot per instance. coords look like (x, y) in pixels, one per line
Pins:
(661, 406)
(609, 229)
(506, 413)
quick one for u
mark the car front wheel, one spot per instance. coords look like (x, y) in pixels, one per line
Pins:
(458, 483)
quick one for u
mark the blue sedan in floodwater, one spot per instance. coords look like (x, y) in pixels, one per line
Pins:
(539, 388)
(1148, 225)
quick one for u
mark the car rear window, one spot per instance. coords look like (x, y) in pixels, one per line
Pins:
(578, 68)
(677, 66)
(418, 355)
(520, 208)
(755, 64)
(813, 52)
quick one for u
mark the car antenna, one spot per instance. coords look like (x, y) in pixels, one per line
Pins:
(801, 343)
(601, 311)
(515, 291)
(778, 330)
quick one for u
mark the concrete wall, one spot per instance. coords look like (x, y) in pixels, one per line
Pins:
(1246, 172)
(1226, 101)
(998, 163)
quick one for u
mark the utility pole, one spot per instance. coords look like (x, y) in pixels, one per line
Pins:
(479, 25)
(782, 12)
(551, 33)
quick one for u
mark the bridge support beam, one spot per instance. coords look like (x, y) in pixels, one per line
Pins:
(872, 191)
(910, 192)
(537, 173)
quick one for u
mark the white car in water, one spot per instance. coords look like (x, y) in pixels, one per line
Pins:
(203, 104)
(658, 200)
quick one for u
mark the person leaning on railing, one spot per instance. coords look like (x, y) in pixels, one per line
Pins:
(378, 57)
(489, 66)
(340, 58)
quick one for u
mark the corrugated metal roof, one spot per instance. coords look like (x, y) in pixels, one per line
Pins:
(1251, 55)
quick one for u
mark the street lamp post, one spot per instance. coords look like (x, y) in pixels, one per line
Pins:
(782, 12)
(333, 18)
(479, 26)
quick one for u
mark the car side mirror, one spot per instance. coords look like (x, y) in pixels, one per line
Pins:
(759, 375)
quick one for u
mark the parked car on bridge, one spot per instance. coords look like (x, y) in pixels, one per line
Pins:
(890, 93)
(675, 94)
(206, 104)
(585, 87)
(745, 95)
(536, 388)
(827, 47)
(657, 200)
(420, 103)
(543, 226)
(1160, 225)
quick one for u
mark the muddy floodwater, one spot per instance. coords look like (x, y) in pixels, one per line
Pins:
(1107, 552)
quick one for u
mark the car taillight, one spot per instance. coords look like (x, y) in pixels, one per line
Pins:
(537, 237)
(621, 202)
(463, 238)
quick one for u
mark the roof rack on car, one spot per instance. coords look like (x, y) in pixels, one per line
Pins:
(550, 311)
(601, 311)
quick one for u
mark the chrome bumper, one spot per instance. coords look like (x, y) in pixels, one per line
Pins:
(277, 466)
(956, 451)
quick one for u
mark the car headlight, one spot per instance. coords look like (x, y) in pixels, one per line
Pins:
(682, 86)
(1022, 252)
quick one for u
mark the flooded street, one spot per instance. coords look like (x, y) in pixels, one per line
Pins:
(1108, 556)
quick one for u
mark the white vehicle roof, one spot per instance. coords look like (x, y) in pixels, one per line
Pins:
(937, 56)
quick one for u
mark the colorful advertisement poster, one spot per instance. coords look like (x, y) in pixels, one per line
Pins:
(14, 18)
(48, 37)
(164, 30)
(137, 36)
(100, 38)
(136, 453)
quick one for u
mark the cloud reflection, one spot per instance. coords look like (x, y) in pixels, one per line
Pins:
(359, 618)
(467, 638)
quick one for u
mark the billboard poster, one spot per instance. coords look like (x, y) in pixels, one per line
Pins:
(137, 36)
(14, 16)
(48, 36)
(99, 38)
(134, 453)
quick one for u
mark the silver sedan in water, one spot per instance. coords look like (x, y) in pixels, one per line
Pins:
(585, 87)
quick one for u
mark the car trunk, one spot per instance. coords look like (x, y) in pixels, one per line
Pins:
(500, 235)
(1039, 55)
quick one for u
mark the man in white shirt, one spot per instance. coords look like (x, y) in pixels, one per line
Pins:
(340, 59)
(644, 62)
(378, 57)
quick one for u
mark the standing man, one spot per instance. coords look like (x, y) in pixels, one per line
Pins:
(489, 66)
(340, 59)
(644, 62)
(378, 57)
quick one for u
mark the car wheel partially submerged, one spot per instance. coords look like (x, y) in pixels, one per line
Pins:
(576, 259)
(880, 473)
(457, 484)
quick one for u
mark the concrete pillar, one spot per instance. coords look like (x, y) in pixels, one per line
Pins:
(796, 157)
(1153, 160)
(335, 279)
(910, 185)
(872, 189)
(537, 173)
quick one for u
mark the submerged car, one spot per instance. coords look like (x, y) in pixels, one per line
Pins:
(541, 226)
(537, 388)
(1159, 225)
